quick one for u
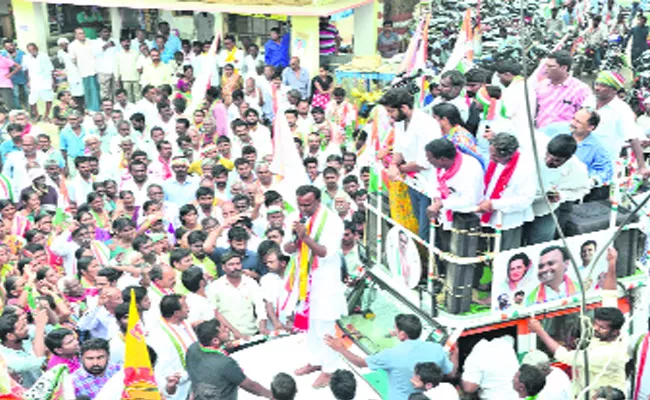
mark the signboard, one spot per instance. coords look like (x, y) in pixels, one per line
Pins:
(403, 258)
(537, 276)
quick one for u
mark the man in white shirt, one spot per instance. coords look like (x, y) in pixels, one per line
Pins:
(565, 178)
(230, 54)
(171, 339)
(456, 181)
(200, 308)
(323, 302)
(39, 71)
(510, 190)
(123, 101)
(558, 384)
(126, 73)
(260, 134)
(617, 120)
(105, 57)
(252, 60)
(17, 163)
(489, 369)
(82, 54)
(451, 88)
(413, 130)
(147, 104)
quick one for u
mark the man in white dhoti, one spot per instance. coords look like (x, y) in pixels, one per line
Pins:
(314, 290)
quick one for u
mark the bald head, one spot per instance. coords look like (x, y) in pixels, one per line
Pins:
(228, 209)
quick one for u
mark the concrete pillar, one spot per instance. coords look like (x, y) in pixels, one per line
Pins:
(365, 29)
(219, 24)
(305, 43)
(116, 23)
(31, 23)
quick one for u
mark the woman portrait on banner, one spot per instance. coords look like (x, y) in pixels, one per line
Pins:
(519, 276)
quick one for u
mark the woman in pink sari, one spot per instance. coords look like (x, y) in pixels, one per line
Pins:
(12, 220)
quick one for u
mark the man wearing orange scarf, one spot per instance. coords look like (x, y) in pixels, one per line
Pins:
(314, 291)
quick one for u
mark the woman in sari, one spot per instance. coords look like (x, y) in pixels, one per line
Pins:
(31, 205)
(16, 223)
(96, 209)
(184, 84)
(124, 230)
(450, 122)
(85, 217)
(230, 81)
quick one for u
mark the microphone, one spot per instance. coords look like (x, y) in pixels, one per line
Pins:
(295, 234)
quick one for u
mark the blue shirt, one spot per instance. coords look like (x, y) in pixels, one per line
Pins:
(180, 194)
(172, 45)
(19, 77)
(399, 363)
(73, 145)
(7, 147)
(277, 54)
(594, 156)
(301, 83)
(250, 261)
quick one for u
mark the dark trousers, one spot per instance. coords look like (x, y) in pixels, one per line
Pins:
(420, 202)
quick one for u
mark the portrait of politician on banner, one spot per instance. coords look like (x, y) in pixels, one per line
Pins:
(403, 257)
(543, 275)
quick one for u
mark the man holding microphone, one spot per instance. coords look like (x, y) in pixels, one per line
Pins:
(314, 290)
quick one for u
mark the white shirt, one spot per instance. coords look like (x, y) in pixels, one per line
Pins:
(169, 362)
(492, 364)
(238, 63)
(410, 142)
(617, 125)
(459, 101)
(149, 109)
(79, 188)
(40, 70)
(514, 100)
(466, 187)
(15, 168)
(250, 65)
(327, 296)
(105, 59)
(558, 386)
(139, 192)
(117, 348)
(200, 308)
(273, 291)
(517, 198)
(83, 56)
(66, 249)
(570, 180)
(444, 391)
(128, 110)
(261, 137)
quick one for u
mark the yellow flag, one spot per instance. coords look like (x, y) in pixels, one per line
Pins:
(139, 382)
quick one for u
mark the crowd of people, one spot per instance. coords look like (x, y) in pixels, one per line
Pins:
(124, 188)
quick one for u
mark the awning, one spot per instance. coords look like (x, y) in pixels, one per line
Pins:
(331, 8)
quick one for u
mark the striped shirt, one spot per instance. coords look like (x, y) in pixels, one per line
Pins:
(558, 103)
(328, 34)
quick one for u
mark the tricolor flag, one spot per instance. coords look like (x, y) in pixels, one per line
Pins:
(52, 385)
(139, 382)
(462, 56)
